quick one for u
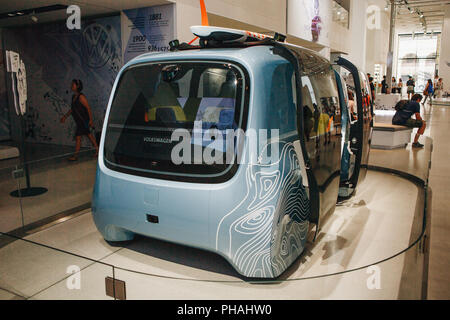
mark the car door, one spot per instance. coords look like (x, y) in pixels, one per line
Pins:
(361, 127)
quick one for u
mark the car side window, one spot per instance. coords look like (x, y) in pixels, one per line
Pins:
(282, 113)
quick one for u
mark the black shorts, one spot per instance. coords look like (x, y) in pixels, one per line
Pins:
(82, 130)
(414, 123)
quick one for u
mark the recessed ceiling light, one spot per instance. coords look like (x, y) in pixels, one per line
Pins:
(24, 12)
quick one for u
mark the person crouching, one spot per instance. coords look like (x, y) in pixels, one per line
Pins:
(403, 117)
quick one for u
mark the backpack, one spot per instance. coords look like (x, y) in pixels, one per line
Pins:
(401, 104)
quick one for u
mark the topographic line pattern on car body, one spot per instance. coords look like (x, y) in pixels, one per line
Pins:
(267, 230)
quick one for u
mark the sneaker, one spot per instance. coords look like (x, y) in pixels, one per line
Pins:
(417, 145)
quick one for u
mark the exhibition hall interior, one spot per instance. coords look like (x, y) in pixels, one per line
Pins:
(224, 150)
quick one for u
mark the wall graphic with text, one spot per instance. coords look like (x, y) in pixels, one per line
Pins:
(147, 30)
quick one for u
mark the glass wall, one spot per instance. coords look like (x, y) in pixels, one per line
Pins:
(418, 57)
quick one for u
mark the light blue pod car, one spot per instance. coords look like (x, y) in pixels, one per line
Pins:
(231, 147)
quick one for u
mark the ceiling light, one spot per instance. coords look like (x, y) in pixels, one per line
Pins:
(32, 11)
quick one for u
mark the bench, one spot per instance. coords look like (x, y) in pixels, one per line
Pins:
(7, 152)
(389, 136)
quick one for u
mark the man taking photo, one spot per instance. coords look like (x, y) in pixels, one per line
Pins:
(403, 117)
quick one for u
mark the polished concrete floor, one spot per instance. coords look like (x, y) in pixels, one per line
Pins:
(438, 121)
(37, 152)
(69, 186)
(377, 224)
(438, 128)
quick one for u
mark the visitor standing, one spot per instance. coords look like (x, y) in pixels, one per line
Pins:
(394, 85)
(435, 84)
(438, 89)
(384, 85)
(411, 84)
(372, 88)
(400, 86)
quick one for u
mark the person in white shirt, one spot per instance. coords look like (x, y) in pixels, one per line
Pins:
(435, 85)
(438, 88)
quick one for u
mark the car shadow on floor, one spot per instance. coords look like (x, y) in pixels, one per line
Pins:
(180, 255)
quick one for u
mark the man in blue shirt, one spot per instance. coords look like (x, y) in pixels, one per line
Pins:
(403, 118)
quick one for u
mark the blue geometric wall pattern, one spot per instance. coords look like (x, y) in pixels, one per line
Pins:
(54, 55)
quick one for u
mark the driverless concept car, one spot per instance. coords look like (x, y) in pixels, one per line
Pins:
(178, 161)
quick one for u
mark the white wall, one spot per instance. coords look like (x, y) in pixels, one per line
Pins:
(187, 14)
(259, 14)
(340, 38)
(300, 17)
(364, 47)
(444, 64)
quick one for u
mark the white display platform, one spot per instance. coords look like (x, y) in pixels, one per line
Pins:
(7, 152)
(386, 101)
(388, 136)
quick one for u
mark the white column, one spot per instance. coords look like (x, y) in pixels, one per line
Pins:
(358, 32)
(444, 64)
(390, 58)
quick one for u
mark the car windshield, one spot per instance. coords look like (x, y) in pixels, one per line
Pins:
(155, 102)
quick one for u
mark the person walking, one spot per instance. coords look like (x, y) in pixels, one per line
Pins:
(428, 92)
(82, 115)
